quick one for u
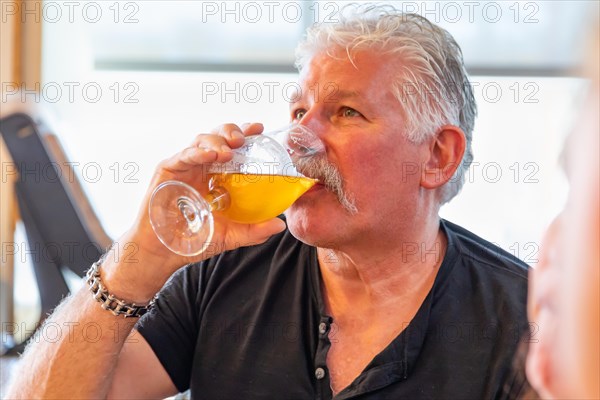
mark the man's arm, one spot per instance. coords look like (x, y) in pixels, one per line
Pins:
(139, 374)
(91, 356)
(82, 361)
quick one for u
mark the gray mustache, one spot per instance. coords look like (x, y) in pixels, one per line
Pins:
(318, 167)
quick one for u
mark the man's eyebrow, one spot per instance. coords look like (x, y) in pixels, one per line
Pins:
(332, 94)
(342, 94)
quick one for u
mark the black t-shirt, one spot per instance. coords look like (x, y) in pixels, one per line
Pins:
(251, 324)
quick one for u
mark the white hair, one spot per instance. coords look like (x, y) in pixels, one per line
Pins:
(431, 85)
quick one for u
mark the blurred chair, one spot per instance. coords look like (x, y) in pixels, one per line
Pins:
(61, 227)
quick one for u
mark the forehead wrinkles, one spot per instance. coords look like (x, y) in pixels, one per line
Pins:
(326, 78)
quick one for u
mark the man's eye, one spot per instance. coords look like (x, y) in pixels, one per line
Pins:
(298, 114)
(350, 112)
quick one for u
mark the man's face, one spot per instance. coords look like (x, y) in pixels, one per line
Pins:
(353, 109)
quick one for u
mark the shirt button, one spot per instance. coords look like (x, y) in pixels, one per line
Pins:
(322, 328)
(319, 373)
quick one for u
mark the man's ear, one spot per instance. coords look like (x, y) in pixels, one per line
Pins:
(445, 155)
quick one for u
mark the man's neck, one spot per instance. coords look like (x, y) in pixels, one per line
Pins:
(382, 276)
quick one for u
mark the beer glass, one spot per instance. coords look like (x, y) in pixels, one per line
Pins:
(259, 183)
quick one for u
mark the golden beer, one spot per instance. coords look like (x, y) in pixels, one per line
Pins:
(256, 198)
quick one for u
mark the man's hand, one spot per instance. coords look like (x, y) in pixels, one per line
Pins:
(141, 250)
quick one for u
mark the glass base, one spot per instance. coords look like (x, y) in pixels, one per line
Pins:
(181, 218)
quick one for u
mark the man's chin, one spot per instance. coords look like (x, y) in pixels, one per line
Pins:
(302, 222)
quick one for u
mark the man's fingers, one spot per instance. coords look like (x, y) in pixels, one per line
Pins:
(210, 148)
(195, 156)
(231, 133)
(211, 141)
(253, 128)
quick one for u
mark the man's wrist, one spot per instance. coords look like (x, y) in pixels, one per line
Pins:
(131, 275)
(109, 301)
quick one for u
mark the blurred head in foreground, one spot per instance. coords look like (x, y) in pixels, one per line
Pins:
(564, 303)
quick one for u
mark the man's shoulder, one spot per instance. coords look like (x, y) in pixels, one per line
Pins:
(471, 249)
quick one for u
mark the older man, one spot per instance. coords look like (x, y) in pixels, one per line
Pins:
(367, 293)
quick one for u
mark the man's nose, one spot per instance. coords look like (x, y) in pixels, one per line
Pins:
(314, 119)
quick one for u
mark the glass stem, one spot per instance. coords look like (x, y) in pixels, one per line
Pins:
(218, 199)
